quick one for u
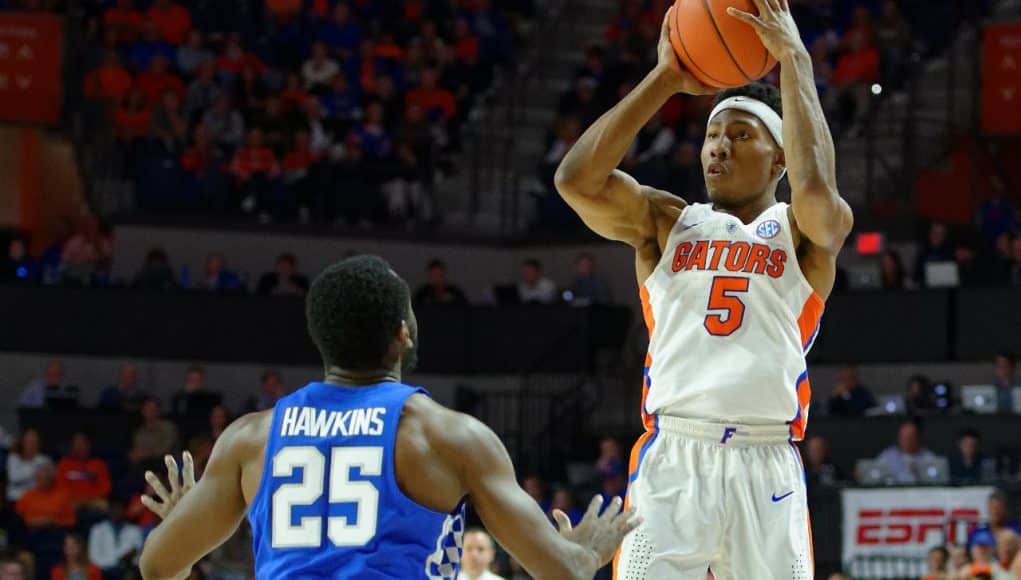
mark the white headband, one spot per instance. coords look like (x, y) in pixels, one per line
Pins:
(756, 107)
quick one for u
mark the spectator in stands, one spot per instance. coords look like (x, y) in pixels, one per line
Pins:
(1006, 381)
(194, 400)
(937, 563)
(155, 437)
(477, 556)
(158, 79)
(968, 465)
(302, 175)
(86, 255)
(201, 93)
(1008, 544)
(902, 460)
(1014, 274)
(998, 508)
(124, 21)
(271, 390)
(19, 265)
(436, 101)
(193, 54)
(319, 70)
(172, 21)
(983, 557)
(341, 101)
(285, 280)
(76, 564)
(891, 272)
(140, 515)
(12, 568)
(219, 420)
(589, 286)
(169, 124)
(937, 248)
(997, 216)
(255, 169)
(110, 82)
(918, 396)
(438, 289)
(115, 543)
(819, 467)
(156, 273)
(611, 458)
(46, 505)
(534, 288)
(567, 133)
(224, 123)
(133, 117)
(341, 33)
(85, 476)
(1002, 260)
(614, 484)
(125, 395)
(142, 52)
(563, 500)
(849, 397)
(535, 487)
(23, 462)
(893, 40)
(217, 278)
(857, 69)
(204, 162)
(50, 390)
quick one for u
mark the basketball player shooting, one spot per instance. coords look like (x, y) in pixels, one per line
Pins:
(361, 476)
(732, 292)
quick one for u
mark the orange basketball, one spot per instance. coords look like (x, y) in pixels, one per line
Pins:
(720, 50)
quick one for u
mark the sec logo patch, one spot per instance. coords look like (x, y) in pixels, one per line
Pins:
(768, 229)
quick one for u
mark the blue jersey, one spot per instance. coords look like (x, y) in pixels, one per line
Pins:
(329, 506)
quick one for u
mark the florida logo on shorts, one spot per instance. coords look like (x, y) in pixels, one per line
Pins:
(768, 229)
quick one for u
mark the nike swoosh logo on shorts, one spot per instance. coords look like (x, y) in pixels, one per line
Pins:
(782, 497)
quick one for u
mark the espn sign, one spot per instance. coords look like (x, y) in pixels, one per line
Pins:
(898, 527)
(904, 523)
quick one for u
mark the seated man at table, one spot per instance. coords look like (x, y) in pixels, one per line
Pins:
(903, 460)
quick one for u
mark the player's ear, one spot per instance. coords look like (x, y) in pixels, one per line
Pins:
(779, 163)
(404, 335)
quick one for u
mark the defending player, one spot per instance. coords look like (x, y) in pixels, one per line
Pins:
(361, 476)
(732, 293)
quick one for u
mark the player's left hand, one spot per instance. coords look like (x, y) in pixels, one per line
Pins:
(181, 481)
(775, 26)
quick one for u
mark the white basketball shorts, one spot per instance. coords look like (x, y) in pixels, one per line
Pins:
(727, 497)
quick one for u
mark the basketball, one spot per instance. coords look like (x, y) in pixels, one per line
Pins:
(720, 50)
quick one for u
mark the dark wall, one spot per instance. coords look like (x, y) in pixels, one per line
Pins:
(867, 327)
(271, 330)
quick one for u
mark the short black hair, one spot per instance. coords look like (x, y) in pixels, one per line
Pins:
(768, 94)
(355, 309)
(1011, 359)
(271, 373)
(288, 257)
(436, 263)
(533, 263)
(969, 432)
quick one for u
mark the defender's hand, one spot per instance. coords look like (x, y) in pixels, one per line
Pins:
(774, 25)
(600, 534)
(180, 483)
(671, 68)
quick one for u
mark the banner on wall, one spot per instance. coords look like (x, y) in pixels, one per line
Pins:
(1001, 78)
(890, 530)
(31, 48)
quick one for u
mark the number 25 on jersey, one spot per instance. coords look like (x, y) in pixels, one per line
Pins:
(308, 532)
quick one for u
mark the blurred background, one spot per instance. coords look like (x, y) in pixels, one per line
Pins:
(175, 172)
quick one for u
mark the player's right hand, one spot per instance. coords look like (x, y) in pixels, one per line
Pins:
(180, 483)
(671, 67)
(600, 534)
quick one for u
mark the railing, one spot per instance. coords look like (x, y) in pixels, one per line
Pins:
(491, 134)
(888, 183)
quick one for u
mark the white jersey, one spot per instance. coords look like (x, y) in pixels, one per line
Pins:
(730, 318)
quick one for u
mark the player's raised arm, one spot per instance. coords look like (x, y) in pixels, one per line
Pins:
(820, 213)
(482, 465)
(196, 519)
(609, 201)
